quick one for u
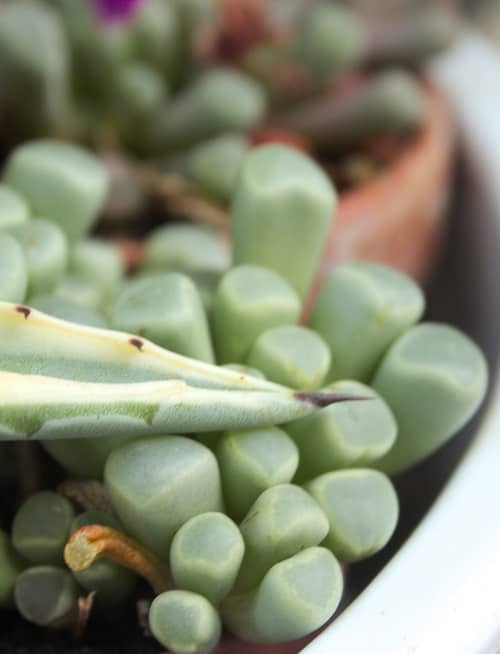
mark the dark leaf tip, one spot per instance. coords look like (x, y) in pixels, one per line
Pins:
(322, 399)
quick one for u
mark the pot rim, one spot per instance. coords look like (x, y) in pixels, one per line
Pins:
(437, 132)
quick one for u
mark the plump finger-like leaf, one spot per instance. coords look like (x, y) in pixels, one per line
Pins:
(185, 622)
(41, 527)
(11, 566)
(297, 596)
(282, 521)
(206, 554)
(434, 377)
(47, 596)
(282, 210)
(362, 508)
(251, 461)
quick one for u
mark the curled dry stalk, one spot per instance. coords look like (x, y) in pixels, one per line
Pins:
(93, 542)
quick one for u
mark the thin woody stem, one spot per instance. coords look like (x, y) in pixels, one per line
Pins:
(92, 542)
(85, 606)
(180, 196)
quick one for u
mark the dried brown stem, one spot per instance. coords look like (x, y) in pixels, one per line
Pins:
(180, 197)
(85, 606)
(89, 494)
(142, 608)
(92, 542)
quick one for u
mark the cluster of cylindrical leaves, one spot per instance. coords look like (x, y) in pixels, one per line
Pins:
(273, 576)
(140, 84)
(253, 520)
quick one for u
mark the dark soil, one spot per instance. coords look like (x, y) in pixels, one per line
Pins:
(19, 637)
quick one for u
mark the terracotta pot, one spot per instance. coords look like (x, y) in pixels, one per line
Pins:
(399, 217)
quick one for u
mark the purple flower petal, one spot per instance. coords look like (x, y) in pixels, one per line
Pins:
(112, 11)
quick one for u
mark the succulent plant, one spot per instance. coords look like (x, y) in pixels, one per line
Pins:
(264, 203)
(202, 111)
(41, 528)
(362, 509)
(291, 355)
(389, 102)
(248, 301)
(167, 309)
(344, 436)
(185, 622)
(242, 465)
(251, 461)
(14, 209)
(59, 181)
(206, 554)
(35, 66)
(46, 253)
(448, 376)
(11, 566)
(282, 521)
(361, 309)
(186, 248)
(297, 596)
(187, 85)
(13, 270)
(47, 596)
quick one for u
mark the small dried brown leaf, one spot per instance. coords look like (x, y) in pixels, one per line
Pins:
(88, 494)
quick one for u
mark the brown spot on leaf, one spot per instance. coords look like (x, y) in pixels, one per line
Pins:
(24, 310)
(136, 342)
